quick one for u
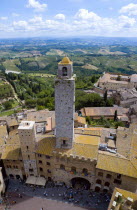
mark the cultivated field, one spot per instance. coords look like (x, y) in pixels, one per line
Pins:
(11, 64)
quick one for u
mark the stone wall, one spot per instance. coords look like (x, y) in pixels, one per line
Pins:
(64, 111)
(65, 175)
(127, 183)
(28, 144)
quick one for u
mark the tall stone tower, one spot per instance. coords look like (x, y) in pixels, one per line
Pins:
(64, 104)
(27, 132)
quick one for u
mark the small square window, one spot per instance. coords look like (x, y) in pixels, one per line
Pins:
(64, 142)
(48, 164)
(118, 176)
(100, 174)
(108, 176)
(39, 155)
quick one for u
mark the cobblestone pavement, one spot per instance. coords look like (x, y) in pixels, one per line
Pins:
(52, 197)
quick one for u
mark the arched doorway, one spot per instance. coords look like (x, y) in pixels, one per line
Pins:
(98, 181)
(80, 183)
(107, 184)
(11, 176)
(17, 176)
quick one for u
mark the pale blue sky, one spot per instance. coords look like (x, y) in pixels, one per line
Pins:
(30, 18)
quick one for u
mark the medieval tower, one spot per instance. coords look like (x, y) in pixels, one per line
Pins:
(65, 104)
(27, 132)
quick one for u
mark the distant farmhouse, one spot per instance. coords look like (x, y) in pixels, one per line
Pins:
(110, 81)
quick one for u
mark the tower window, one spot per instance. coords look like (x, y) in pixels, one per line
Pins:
(64, 142)
(64, 71)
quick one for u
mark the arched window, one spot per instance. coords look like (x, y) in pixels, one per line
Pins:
(73, 169)
(64, 71)
(98, 181)
(62, 167)
(107, 184)
(85, 171)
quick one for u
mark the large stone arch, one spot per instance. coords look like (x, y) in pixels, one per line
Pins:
(81, 183)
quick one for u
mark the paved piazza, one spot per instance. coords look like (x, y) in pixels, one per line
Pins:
(22, 197)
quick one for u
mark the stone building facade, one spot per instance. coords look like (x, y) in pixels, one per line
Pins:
(115, 81)
(27, 137)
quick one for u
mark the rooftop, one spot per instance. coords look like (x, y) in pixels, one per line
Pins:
(26, 125)
(89, 131)
(65, 61)
(11, 152)
(12, 121)
(40, 116)
(103, 111)
(3, 137)
(87, 139)
(125, 195)
(116, 164)
(107, 77)
(12, 149)
(80, 119)
(46, 146)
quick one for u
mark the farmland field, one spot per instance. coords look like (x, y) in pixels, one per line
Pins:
(11, 64)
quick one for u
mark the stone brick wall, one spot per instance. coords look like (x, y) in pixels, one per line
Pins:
(64, 111)
(17, 167)
(28, 143)
(60, 175)
(127, 183)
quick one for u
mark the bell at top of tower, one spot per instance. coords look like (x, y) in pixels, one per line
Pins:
(65, 68)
